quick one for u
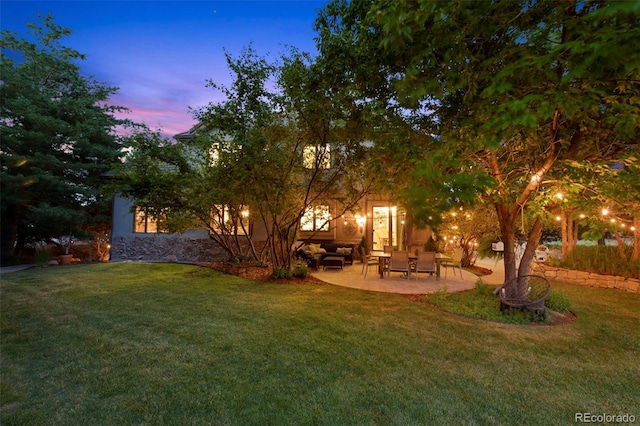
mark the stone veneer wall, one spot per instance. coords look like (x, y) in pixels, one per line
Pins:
(590, 279)
(166, 248)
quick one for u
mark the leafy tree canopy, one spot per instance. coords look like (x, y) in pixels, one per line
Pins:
(275, 147)
(512, 92)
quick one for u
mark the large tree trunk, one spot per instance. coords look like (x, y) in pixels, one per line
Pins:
(622, 252)
(525, 262)
(508, 235)
(530, 251)
(569, 231)
(9, 233)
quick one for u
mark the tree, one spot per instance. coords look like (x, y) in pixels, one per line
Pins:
(57, 133)
(513, 92)
(275, 148)
(466, 228)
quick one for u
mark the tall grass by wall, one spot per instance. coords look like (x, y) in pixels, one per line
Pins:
(602, 260)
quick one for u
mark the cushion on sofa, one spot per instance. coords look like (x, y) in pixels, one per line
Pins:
(314, 248)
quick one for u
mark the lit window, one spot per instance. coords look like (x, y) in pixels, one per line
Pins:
(214, 155)
(227, 220)
(315, 219)
(145, 223)
(316, 156)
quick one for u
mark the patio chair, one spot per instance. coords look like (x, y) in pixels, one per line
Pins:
(399, 262)
(385, 261)
(454, 263)
(367, 261)
(426, 263)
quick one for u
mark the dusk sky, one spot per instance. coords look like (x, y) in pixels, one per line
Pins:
(160, 53)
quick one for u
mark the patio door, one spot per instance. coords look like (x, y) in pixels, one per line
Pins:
(384, 227)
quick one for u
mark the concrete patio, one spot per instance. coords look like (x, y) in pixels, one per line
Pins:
(351, 277)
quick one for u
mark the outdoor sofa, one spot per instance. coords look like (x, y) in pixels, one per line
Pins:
(315, 253)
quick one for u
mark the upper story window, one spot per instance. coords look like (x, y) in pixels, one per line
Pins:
(218, 148)
(316, 156)
(227, 220)
(214, 154)
(316, 218)
(145, 223)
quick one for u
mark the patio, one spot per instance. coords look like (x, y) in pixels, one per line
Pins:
(351, 277)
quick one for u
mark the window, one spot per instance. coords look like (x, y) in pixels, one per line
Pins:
(229, 220)
(145, 223)
(315, 219)
(226, 147)
(214, 154)
(316, 156)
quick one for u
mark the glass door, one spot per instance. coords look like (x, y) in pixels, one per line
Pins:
(384, 226)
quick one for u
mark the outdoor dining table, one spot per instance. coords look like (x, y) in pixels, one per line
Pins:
(382, 256)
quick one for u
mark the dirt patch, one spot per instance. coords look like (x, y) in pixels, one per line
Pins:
(479, 270)
(558, 318)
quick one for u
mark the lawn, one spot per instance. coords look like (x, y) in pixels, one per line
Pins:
(133, 343)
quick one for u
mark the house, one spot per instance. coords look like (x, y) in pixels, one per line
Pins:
(136, 236)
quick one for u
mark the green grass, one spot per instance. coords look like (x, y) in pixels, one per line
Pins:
(481, 303)
(177, 344)
(477, 303)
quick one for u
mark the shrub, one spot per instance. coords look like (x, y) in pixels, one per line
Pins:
(300, 269)
(281, 273)
(432, 245)
(602, 260)
(481, 287)
(42, 257)
(558, 301)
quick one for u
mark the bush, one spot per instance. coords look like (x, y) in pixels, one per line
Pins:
(42, 257)
(300, 269)
(433, 245)
(481, 287)
(281, 273)
(601, 260)
(558, 301)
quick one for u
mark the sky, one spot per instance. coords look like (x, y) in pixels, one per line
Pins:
(160, 54)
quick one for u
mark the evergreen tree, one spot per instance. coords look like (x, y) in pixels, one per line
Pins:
(57, 134)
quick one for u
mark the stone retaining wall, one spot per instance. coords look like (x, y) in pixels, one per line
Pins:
(166, 248)
(589, 279)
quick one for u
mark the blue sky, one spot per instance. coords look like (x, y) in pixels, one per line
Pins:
(160, 53)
